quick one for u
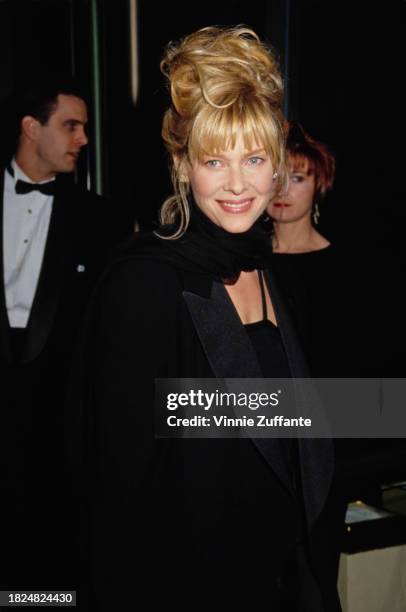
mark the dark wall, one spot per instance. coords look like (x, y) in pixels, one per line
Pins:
(33, 35)
(347, 88)
(42, 37)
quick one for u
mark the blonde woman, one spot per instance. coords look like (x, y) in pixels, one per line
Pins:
(189, 522)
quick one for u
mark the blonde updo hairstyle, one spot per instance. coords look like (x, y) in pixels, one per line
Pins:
(222, 81)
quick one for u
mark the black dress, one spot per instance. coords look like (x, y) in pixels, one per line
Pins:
(335, 304)
(344, 309)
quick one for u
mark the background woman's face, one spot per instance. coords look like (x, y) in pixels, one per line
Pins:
(234, 187)
(297, 202)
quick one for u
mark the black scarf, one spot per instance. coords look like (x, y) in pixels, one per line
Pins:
(205, 248)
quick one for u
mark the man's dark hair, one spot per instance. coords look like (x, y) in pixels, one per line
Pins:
(39, 99)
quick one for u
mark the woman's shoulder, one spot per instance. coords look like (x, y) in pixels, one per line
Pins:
(148, 270)
(136, 285)
(130, 270)
(140, 261)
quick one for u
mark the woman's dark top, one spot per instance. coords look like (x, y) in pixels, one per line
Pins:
(307, 281)
(266, 339)
(329, 294)
(336, 298)
(267, 342)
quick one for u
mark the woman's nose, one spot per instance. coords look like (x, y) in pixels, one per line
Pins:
(235, 180)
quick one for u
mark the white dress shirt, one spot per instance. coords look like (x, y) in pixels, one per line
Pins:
(25, 228)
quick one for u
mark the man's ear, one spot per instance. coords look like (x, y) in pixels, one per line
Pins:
(30, 127)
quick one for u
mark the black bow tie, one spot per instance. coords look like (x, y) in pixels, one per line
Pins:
(45, 188)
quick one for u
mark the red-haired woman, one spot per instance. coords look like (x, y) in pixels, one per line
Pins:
(305, 260)
(330, 291)
(296, 213)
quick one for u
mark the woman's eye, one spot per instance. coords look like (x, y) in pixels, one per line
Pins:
(213, 163)
(296, 178)
(255, 161)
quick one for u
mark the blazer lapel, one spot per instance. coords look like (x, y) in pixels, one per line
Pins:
(231, 355)
(224, 340)
(316, 455)
(5, 346)
(45, 303)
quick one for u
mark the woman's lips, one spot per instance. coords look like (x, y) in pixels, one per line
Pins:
(236, 207)
(281, 204)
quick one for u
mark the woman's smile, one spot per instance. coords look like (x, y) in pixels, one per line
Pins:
(236, 207)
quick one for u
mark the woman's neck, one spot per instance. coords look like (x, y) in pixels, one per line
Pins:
(297, 237)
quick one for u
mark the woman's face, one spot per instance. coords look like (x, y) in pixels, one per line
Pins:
(297, 202)
(234, 187)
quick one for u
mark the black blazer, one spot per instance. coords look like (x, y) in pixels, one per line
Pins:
(83, 229)
(174, 515)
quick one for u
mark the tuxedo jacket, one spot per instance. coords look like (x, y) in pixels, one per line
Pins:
(190, 519)
(82, 231)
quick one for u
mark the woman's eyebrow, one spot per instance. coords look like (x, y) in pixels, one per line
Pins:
(224, 154)
(255, 152)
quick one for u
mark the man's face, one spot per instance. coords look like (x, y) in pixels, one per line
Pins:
(59, 141)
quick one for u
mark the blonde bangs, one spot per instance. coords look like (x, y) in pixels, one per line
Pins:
(216, 130)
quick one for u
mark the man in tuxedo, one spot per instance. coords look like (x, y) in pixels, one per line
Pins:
(54, 240)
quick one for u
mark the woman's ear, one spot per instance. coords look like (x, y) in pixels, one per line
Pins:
(180, 167)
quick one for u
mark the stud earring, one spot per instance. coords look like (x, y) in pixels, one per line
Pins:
(275, 176)
(183, 178)
(316, 213)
